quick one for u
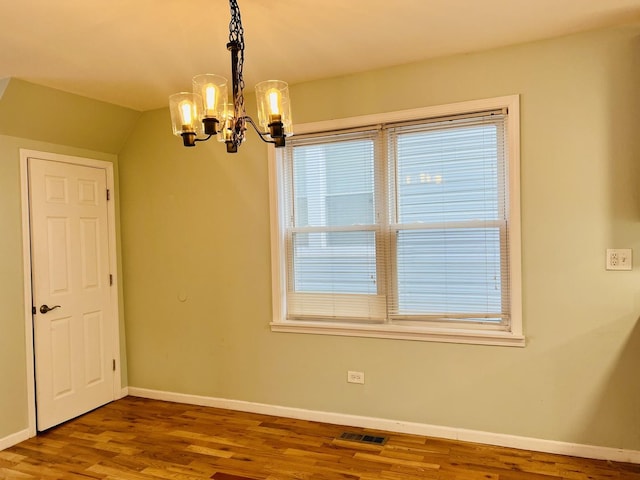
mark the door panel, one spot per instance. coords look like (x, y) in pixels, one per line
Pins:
(61, 361)
(90, 252)
(93, 344)
(58, 248)
(73, 343)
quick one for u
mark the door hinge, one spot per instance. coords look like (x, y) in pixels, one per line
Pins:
(108, 195)
(114, 364)
(110, 280)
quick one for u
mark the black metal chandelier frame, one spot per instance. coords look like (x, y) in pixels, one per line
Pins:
(233, 126)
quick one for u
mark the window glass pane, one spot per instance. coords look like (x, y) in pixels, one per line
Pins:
(333, 184)
(349, 209)
(449, 271)
(447, 175)
(335, 262)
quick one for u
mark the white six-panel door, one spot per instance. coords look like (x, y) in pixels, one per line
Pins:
(73, 342)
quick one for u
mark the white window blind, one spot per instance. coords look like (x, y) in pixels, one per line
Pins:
(333, 237)
(400, 226)
(449, 220)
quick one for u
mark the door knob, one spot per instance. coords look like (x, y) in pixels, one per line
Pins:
(46, 308)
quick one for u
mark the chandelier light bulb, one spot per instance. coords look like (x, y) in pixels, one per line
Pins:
(274, 110)
(211, 96)
(274, 97)
(213, 90)
(187, 118)
(226, 123)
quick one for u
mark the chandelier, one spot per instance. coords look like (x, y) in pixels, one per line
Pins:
(199, 115)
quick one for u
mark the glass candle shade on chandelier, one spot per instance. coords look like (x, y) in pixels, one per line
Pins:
(206, 112)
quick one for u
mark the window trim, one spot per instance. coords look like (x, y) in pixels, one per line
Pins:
(432, 332)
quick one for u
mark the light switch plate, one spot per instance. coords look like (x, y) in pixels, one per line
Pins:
(619, 259)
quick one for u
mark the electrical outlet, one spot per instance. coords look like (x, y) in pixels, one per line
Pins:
(355, 377)
(619, 259)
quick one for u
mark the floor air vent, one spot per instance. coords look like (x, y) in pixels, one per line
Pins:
(357, 437)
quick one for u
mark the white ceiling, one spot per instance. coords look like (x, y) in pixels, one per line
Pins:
(136, 53)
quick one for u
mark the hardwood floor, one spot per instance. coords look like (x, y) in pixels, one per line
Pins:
(143, 439)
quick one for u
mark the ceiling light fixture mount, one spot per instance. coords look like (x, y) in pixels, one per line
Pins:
(206, 111)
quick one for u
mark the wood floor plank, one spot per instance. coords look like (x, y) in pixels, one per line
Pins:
(141, 439)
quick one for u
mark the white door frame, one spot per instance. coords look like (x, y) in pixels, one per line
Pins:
(26, 256)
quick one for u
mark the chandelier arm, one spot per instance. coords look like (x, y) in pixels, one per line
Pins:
(189, 139)
(202, 139)
(262, 135)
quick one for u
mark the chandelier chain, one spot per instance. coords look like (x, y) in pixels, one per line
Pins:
(236, 36)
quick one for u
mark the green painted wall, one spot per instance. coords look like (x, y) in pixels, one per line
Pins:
(195, 227)
(195, 224)
(19, 102)
(41, 113)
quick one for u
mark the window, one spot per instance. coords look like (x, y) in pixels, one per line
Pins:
(403, 225)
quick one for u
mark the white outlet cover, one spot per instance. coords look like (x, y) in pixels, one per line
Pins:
(355, 377)
(619, 259)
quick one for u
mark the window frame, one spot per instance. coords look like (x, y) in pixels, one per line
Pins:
(406, 329)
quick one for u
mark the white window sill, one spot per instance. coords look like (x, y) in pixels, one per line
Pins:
(426, 334)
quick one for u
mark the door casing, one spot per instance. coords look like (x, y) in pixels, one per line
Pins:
(26, 255)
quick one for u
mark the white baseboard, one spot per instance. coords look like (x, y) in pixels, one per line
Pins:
(488, 438)
(14, 439)
(124, 392)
